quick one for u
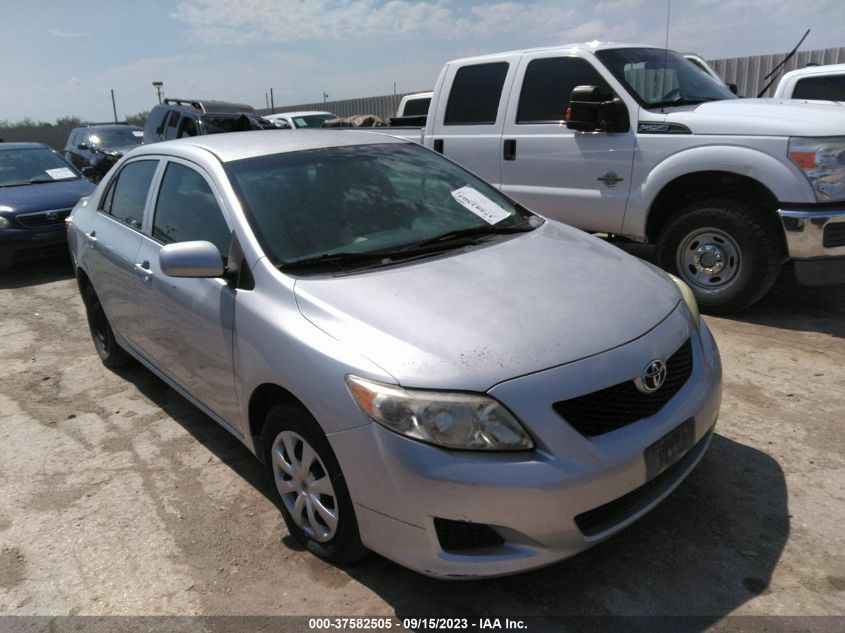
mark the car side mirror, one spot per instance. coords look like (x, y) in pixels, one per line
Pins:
(191, 259)
(595, 109)
(88, 171)
(82, 146)
(733, 88)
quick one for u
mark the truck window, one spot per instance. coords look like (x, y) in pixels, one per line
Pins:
(417, 107)
(476, 90)
(547, 85)
(831, 87)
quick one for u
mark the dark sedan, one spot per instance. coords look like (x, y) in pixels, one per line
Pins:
(100, 146)
(38, 188)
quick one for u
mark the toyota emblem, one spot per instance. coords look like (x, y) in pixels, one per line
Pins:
(51, 215)
(653, 377)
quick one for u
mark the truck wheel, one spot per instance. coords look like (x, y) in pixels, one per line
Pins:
(725, 250)
(308, 485)
(111, 353)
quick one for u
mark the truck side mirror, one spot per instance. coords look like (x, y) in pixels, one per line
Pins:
(595, 109)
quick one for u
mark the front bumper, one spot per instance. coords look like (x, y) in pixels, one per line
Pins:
(29, 244)
(531, 499)
(815, 239)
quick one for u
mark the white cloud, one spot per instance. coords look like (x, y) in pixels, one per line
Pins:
(63, 33)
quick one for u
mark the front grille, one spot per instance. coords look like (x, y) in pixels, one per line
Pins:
(44, 218)
(617, 406)
(456, 536)
(834, 235)
(613, 513)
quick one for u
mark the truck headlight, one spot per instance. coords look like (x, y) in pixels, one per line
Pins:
(822, 159)
(689, 298)
(448, 419)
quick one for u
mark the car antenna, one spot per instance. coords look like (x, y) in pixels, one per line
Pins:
(777, 68)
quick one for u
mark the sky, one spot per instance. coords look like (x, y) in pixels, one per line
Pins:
(60, 58)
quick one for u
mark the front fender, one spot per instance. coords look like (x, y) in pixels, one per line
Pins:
(781, 177)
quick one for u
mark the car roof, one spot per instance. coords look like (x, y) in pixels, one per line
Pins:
(237, 145)
(590, 47)
(297, 113)
(11, 146)
(98, 126)
(830, 69)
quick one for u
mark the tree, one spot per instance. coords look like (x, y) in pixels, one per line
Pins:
(138, 119)
(68, 121)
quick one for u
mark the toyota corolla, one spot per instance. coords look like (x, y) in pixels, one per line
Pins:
(425, 368)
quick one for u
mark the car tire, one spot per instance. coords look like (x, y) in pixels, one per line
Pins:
(727, 251)
(111, 353)
(308, 486)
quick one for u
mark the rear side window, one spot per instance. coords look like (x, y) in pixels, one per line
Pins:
(831, 87)
(186, 210)
(417, 107)
(127, 196)
(476, 90)
(548, 84)
(172, 124)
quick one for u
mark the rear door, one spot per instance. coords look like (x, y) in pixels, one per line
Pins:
(468, 123)
(113, 243)
(187, 329)
(582, 178)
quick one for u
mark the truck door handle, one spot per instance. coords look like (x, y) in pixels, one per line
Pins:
(438, 145)
(143, 270)
(509, 149)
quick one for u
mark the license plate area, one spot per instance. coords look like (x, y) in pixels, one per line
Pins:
(669, 448)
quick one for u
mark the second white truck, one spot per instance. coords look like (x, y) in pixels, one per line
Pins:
(635, 141)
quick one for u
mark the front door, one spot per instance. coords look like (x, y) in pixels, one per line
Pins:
(581, 178)
(188, 323)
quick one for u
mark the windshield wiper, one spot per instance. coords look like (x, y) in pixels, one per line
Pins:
(340, 259)
(468, 236)
(681, 101)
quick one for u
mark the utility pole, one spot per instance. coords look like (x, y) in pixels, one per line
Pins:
(113, 106)
(267, 100)
(272, 103)
(394, 87)
(158, 85)
(325, 96)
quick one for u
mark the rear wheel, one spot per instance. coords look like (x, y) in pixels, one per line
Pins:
(308, 484)
(725, 250)
(111, 353)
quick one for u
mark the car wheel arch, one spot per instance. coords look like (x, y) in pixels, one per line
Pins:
(263, 398)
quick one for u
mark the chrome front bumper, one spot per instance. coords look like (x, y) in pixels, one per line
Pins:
(815, 239)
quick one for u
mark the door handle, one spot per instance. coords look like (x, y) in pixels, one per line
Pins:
(438, 145)
(144, 271)
(509, 149)
(91, 238)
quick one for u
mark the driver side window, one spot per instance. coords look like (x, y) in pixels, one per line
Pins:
(186, 210)
(548, 84)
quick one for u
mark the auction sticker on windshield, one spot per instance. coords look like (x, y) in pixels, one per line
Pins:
(60, 173)
(480, 205)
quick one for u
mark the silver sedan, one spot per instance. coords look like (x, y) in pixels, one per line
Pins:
(425, 368)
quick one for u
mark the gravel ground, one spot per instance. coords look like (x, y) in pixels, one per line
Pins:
(119, 497)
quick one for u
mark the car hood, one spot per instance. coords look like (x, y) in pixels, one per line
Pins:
(472, 319)
(120, 150)
(62, 194)
(764, 117)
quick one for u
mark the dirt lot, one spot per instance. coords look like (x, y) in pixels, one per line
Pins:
(119, 497)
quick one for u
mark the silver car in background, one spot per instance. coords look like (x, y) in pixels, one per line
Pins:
(425, 368)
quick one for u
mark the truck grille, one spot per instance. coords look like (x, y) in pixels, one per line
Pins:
(43, 218)
(834, 235)
(617, 406)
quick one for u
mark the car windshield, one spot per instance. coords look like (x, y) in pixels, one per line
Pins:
(659, 78)
(33, 165)
(312, 120)
(118, 137)
(367, 199)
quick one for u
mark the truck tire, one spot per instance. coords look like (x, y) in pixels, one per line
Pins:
(308, 486)
(725, 250)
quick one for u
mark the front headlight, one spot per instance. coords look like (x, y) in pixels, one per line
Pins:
(689, 298)
(822, 159)
(5, 223)
(451, 420)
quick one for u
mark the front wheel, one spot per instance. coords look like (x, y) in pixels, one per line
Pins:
(309, 487)
(725, 250)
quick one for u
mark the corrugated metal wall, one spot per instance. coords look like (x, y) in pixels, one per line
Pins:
(384, 106)
(748, 72)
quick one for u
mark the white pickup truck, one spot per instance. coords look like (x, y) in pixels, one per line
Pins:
(814, 82)
(635, 141)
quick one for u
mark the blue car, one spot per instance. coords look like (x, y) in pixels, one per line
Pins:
(38, 188)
